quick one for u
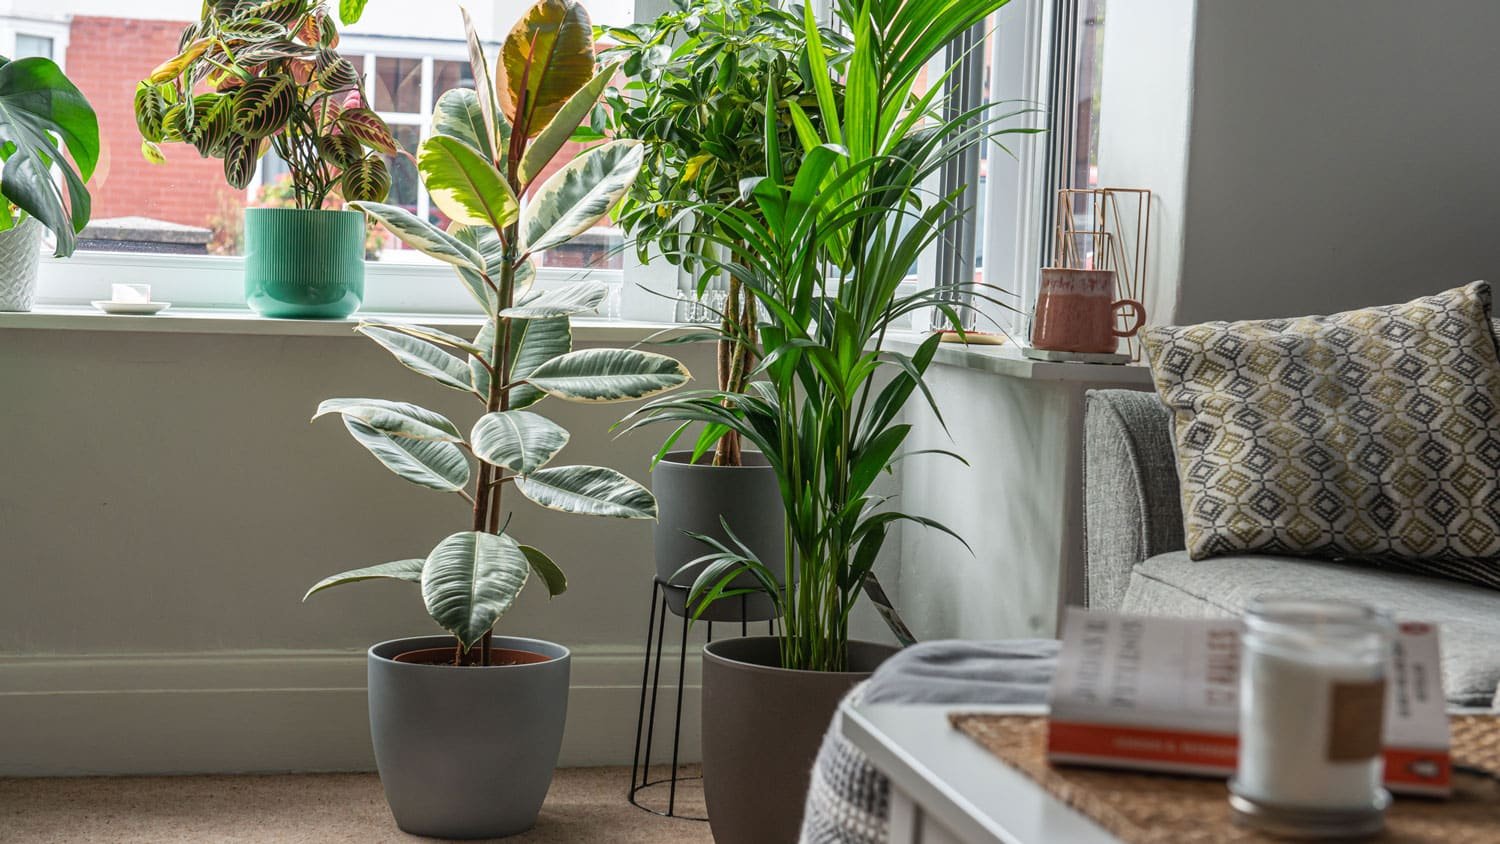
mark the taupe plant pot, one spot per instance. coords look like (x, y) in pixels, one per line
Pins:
(467, 752)
(691, 498)
(762, 725)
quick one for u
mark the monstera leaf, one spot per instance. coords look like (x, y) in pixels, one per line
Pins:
(576, 197)
(606, 375)
(38, 103)
(470, 579)
(545, 59)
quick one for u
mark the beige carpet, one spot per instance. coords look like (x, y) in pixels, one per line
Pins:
(585, 805)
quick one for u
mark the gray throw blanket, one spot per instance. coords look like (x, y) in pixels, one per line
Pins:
(847, 801)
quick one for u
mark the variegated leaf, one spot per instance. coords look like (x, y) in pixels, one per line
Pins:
(284, 12)
(367, 179)
(422, 357)
(470, 579)
(430, 463)
(590, 490)
(263, 105)
(152, 153)
(483, 84)
(519, 440)
(533, 342)
(367, 126)
(173, 67)
(334, 73)
(579, 195)
(397, 418)
(340, 150)
(422, 235)
(458, 114)
(407, 570)
(464, 184)
(540, 151)
(351, 10)
(426, 332)
(212, 126)
(545, 59)
(149, 108)
(252, 29)
(270, 51)
(543, 567)
(240, 155)
(575, 298)
(608, 375)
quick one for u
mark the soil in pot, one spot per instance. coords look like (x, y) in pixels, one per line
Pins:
(444, 656)
(762, 726)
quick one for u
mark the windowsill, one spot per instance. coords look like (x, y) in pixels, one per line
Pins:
(1007, 360)
(177, 320)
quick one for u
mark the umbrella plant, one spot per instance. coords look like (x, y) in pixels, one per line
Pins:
(825, 252)
(254, 75)
(487, 149)
(696, 97)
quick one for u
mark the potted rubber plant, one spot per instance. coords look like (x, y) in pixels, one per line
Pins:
(38, 106)
(695, 88)
(467, 726)
(825, 252)
(251, 77)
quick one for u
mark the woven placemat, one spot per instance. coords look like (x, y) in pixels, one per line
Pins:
(1141, 808)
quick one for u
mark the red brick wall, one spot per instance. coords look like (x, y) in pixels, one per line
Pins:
(106, 58)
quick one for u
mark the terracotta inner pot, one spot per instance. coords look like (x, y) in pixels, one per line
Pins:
(444, 656)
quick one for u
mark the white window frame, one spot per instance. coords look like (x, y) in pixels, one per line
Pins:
(57, 30)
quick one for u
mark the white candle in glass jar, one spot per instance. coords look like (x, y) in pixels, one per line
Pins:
(1312, 702)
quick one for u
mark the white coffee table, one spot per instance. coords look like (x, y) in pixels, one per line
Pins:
(946, 789)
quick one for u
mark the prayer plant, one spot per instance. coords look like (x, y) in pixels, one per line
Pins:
(824, 252)
(254, 75)
(487, 148)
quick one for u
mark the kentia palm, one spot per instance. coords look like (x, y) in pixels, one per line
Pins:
(825, 251)
(696, 84)
(466, 749)
(258, 75)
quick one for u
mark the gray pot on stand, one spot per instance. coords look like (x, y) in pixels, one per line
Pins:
(692, 498)
(467, 752)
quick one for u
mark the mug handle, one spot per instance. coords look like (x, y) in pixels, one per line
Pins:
(1140, 317)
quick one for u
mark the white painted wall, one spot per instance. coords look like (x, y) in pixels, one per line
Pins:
(1338, 153)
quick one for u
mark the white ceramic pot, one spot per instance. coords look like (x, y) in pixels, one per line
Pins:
(20, 251)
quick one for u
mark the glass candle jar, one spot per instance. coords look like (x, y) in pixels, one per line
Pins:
(1312, 715)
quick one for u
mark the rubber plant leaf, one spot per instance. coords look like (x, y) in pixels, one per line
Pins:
(545, 59)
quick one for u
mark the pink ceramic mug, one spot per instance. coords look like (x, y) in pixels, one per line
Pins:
(1075, 312)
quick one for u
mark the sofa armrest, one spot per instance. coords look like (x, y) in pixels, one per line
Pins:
(1132, 509)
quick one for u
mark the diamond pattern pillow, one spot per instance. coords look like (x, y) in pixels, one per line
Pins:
(1367, 435)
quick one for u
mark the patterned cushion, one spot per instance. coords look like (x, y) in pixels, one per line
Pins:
(1368, 435)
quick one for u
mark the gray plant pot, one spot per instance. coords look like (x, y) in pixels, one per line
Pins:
(762, 725)
(691, 498)
(467, 752)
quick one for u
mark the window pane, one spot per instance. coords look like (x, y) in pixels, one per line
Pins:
(447, 75)
(33, 45)
(398, 85)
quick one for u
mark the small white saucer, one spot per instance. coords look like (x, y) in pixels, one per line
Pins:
(135, 308)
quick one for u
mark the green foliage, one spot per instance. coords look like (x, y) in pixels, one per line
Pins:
(707, 82)
(39, 105)
(252, 76)
(823, 250)
(472, 165)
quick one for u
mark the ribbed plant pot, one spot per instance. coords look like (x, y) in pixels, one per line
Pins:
(20, 251)
(304, 264)
(467, 752)
(692, 498)
(762, 725)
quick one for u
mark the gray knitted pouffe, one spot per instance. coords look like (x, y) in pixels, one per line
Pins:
(848, 800)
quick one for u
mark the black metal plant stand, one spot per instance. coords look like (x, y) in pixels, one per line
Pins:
(640, 767)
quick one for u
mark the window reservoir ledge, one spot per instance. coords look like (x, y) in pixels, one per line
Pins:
(240, 321)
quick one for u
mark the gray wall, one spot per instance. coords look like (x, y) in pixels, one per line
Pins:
(165, 504)
(1338, 152)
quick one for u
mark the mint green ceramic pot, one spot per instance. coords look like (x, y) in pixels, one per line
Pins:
(304, 264)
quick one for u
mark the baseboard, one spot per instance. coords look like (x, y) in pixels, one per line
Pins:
(264, 711)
